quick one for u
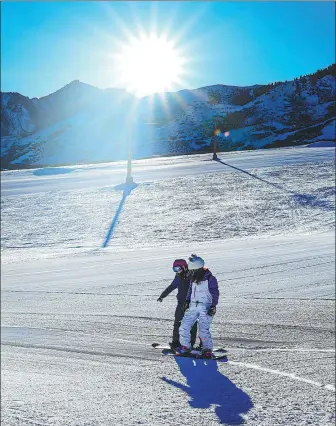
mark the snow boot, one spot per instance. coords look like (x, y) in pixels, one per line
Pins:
(174, 345)
(207, 353)
(182, 351)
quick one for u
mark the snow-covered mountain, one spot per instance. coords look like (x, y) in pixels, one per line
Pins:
(83, 124)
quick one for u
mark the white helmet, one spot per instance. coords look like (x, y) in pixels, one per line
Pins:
(195, 262)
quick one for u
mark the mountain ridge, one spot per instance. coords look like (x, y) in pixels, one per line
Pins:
(80, 123)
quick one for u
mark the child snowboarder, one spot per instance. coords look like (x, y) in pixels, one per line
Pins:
(181, 282)
(201, 302)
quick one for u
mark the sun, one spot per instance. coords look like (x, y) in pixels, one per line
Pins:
(149, 64)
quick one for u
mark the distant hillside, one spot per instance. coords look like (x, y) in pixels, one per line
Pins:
(83, 124)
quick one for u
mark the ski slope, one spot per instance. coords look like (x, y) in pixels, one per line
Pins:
(78, 319)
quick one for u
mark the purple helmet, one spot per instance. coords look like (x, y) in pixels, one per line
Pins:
(179, 265)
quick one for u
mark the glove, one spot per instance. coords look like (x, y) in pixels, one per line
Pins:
(159, 299)
(185, 305)
(212, 311)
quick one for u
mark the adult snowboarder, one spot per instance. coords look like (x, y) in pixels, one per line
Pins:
(200, 304)
(181, 282)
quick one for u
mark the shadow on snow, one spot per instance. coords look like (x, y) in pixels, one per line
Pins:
(127, 189)
(206, 386)
(52, 171)
(305, 200)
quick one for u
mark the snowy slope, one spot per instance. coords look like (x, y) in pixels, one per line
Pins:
(83, 124)
(78, 319)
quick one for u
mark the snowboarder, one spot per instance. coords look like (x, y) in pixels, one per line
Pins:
(201, 302)
(181, 282)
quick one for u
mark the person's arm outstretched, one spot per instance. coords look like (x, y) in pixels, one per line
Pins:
(170, 288)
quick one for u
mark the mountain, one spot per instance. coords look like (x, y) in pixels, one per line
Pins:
(83, 124)
(63, 127)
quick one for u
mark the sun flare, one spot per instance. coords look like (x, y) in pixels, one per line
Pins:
(149, 64)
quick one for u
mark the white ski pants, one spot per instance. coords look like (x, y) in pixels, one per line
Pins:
(196, 311)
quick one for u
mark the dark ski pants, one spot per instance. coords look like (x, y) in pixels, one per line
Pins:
(179, 314)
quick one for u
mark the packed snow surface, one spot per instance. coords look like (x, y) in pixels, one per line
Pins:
(78, 319)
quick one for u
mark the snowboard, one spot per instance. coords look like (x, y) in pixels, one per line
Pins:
(167, 347)
(166, 350)
(196, 355)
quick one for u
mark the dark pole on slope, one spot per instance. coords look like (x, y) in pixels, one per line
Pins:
(129, 179)
(214, 157)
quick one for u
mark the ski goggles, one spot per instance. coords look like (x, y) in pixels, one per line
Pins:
(177, 268)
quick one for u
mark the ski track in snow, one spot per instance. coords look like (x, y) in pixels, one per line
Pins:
(72, 312)
(282, 373)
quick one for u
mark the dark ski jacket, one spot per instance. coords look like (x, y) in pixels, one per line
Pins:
(182, 283)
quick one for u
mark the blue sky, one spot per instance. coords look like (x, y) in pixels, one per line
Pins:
(45, 45)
